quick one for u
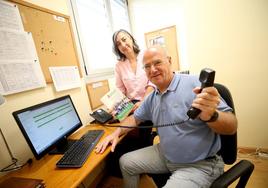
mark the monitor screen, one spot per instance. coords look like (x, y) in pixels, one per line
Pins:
(46, 125)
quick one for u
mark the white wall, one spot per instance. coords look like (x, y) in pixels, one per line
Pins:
(230, 36)
(15, 139)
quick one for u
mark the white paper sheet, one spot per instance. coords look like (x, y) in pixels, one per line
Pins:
(16, 45)
(19, 66)
(10, 16)
(65, 77)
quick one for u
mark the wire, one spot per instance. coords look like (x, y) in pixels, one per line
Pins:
(147, 127)
(15, 166)
(9, 167)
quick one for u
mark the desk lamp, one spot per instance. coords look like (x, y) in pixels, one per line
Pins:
(13, 165)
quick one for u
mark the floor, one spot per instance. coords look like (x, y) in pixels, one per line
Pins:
(114, 182)
(258, 179)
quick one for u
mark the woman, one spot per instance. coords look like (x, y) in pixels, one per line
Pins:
(129, 74)
(133, 82)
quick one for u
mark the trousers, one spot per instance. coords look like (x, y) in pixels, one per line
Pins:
(136, 139)
(150, 160)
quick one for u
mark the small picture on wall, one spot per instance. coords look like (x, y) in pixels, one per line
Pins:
(159, 40)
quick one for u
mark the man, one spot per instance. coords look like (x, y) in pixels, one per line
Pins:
(188, 150)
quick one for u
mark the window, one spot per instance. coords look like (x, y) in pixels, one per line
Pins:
(119, 15)
(96, 21)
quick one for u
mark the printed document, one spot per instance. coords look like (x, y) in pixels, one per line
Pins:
(19, 64)
(117, 103)
(65, 77)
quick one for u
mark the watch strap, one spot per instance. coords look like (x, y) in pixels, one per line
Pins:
(213, 118)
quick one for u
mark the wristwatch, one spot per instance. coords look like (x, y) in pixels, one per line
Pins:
(213, 118)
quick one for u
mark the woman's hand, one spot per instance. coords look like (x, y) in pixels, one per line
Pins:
(136, 105)
(110, 139)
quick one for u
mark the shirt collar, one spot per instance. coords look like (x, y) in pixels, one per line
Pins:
(173, 84)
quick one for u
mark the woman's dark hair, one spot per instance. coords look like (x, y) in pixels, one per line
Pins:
(120, 56)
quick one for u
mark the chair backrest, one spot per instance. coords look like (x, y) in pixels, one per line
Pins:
(228, 149)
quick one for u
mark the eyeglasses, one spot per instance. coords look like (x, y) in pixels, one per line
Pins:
(156, 64)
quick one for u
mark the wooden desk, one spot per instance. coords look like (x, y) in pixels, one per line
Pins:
(46, 169)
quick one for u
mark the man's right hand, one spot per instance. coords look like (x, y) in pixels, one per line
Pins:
(110, 139)
(114, 137)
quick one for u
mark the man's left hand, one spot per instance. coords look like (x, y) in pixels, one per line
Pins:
(207, 101)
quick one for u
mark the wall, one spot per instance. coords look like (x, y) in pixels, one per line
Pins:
(230, 36)
(15, 139)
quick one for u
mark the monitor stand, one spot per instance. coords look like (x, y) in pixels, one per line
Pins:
(62, 146)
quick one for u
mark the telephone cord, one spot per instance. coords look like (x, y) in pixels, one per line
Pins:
(147, 127)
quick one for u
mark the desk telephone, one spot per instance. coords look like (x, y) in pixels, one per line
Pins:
(101, 116)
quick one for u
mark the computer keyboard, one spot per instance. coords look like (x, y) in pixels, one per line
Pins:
(77, 154)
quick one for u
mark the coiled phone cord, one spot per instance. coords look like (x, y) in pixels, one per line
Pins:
(147, 127)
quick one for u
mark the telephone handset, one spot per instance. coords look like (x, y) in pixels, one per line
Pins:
(206, 78)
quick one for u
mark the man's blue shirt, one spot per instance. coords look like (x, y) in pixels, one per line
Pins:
(190, 141)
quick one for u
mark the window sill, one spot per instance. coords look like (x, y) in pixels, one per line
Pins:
(95, 77)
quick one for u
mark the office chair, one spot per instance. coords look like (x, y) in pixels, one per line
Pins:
(242, 170)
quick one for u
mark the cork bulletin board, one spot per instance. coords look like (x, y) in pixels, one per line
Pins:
(52, 34)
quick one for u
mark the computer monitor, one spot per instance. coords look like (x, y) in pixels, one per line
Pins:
(47, 125)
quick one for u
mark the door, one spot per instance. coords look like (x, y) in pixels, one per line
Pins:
(167, 38)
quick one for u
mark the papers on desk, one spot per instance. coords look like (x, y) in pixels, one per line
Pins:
(117, 103)
(19, 64)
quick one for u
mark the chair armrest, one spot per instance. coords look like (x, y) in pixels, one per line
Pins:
(241, 170)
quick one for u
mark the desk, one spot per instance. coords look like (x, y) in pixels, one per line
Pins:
(46, 169)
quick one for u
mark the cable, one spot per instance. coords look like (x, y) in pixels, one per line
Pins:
(146, 127)
(10, 168)
(15, 166)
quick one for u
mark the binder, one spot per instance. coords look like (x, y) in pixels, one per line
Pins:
(18, 182)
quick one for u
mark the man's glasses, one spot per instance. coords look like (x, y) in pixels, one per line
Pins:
(156, 64)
